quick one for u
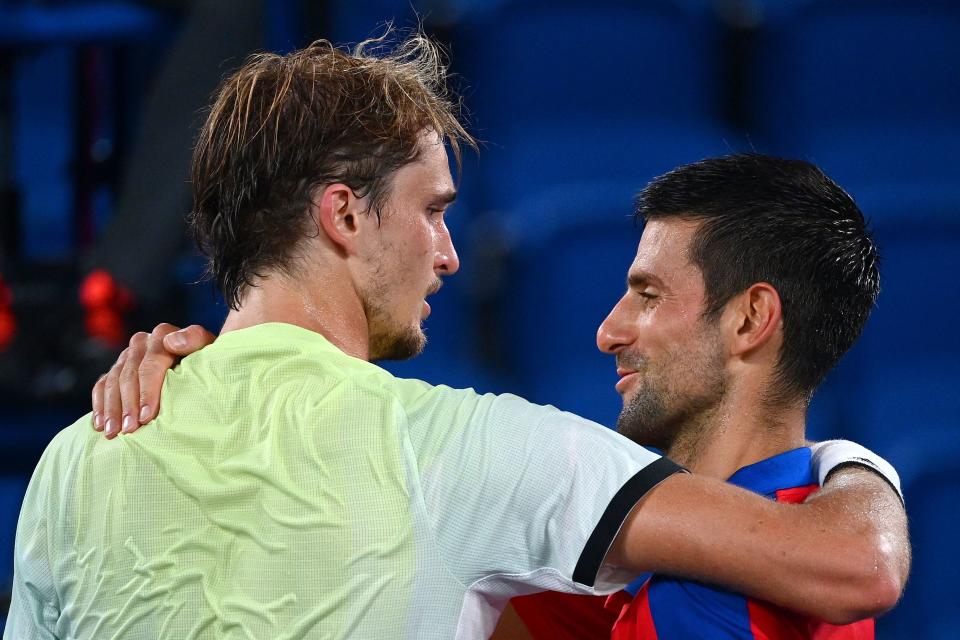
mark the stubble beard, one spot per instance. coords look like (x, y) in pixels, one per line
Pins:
(403, 344)
(390, 340)
(666, 410)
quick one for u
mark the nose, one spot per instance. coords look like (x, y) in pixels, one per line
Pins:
(446, 261)
(615, 331)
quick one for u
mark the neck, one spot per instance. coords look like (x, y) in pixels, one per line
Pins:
(337, 314)
(738, 433)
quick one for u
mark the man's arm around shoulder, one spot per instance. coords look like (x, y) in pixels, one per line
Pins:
(842, 556)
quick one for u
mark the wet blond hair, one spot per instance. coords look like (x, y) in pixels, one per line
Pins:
(282, 126)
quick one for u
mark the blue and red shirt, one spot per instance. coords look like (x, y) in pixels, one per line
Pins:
(664, 608)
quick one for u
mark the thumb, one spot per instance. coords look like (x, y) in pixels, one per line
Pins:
(188, 340)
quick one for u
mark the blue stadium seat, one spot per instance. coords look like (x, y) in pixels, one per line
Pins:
(596, 61)
(827, 65)
(824, 417)
(906, 366)
(927, 463)
(870, 159)
(27, 431)
(46, 102)
(75, 23)
(12, 490)
(351, 22)
(551, 153)
(613, 90)
(571, 247)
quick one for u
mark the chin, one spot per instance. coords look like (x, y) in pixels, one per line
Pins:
(401, 345)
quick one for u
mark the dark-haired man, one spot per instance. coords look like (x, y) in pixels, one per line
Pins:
(290, 488)
(753, 277)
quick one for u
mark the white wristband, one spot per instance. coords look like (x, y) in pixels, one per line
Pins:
(830, 454)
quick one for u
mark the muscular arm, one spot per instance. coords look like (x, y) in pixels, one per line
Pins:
(842, 556)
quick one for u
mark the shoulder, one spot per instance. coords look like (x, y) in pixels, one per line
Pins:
(72, 441)
(60, 460)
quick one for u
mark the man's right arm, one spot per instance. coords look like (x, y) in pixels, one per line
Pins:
(842, 556)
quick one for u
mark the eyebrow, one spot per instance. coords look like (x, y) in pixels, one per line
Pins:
(445, 197)
(636, 279)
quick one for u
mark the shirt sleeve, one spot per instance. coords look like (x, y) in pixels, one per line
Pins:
(33, 610)
(527, 498)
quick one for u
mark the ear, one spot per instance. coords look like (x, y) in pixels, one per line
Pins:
(339, 213)
(753, 318)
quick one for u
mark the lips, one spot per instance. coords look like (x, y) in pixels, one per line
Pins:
(626, 378)
(432, 290)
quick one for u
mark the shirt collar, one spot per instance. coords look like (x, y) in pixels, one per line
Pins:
(782, 471)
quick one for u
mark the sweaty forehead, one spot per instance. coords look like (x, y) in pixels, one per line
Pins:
(430, 172)
(664, 251)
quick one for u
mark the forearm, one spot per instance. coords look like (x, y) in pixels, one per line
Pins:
(825, 558)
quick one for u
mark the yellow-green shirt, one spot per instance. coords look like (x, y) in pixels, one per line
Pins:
(287, 490)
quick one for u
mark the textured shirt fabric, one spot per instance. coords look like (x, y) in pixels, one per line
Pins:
(287, 490)
(665, 608)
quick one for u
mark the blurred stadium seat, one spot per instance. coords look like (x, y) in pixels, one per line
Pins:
(552, 153)
(50, 109)
(576, 91)
(927, 460)
(907, 363)
(12, 489)
(351, 22)
(74, 23)
(605, 59)
(569, 250)
(824, 66)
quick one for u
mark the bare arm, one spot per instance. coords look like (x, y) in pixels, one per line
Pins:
(842, 556)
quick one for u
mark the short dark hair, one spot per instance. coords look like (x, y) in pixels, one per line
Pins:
(281, 126)
(784, 222)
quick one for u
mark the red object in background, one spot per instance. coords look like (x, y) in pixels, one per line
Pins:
(105, 302)
(6, 295)
(105, 324)
(8, 323)
(8, 328)
(99, 289)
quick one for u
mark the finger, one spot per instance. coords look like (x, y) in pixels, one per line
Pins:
(97, 401)
(130, 381)
(153, 370)
(187, 341)
(112, 406)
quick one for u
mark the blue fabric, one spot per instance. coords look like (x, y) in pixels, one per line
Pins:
(783, 471)
(682, 609)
